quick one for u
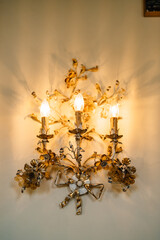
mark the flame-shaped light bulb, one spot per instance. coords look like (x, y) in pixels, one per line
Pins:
(114, 110)
(79, 103)
(45, 109)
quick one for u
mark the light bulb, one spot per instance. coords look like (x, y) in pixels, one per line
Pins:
(79, 102)
(114, 110)
(45, 109)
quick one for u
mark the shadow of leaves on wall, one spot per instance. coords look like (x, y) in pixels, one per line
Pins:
(146, 83)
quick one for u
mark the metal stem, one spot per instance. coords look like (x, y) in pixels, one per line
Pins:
(114, 150)
(78, 142)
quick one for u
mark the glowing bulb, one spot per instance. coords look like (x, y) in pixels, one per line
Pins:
(79, 102)
(114, 110)
(45, 109)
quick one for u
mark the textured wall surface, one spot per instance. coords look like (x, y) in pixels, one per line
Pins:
(37, 41)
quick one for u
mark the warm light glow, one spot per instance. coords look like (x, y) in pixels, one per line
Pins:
(79, 102)
(114, 110)
(45, 109)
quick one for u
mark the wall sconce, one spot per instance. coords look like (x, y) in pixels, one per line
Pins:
(69, 161)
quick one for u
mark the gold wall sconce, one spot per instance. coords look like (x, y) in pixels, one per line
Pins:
(69, 162)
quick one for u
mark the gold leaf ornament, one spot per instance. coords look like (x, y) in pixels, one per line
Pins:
(75, 63)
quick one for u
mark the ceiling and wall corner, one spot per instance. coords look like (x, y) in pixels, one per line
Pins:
(38, 39)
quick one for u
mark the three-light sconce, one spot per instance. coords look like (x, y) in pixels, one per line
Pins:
(73, 171)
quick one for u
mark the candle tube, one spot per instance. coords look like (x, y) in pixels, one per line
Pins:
(114, 125)
(78, 119)
(45, 111)
(114, 119)
(44, 128)
(78, 106)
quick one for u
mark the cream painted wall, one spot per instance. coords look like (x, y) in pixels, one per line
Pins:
(37, 41)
